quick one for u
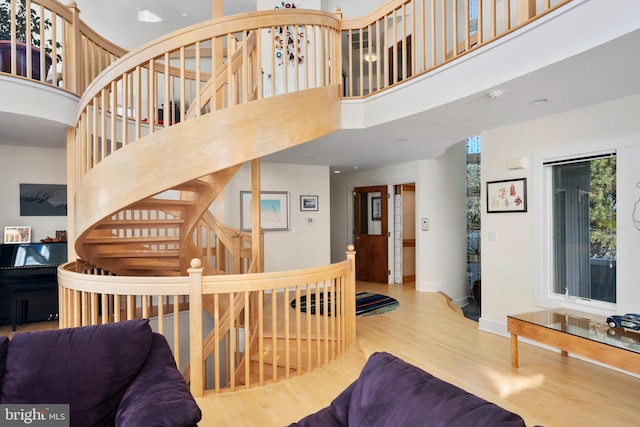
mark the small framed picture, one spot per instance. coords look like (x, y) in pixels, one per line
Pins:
(376, 209)
(308, 203)
(509, 195)
(17, 234)
(274, 210)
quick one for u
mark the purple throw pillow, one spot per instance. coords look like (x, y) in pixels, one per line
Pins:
(88, 368)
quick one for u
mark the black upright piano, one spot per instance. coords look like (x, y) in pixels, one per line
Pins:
(29, 282)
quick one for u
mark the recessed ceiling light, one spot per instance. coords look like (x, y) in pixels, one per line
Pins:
(336, 171)
(148, 16)
(539, 101)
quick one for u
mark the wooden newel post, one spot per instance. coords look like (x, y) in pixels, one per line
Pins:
(351, 294)
(72, 54)
(338, 13)
(195, 328)
(336, 53)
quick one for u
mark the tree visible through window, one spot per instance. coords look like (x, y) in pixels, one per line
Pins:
(584, 228)
(473, 212)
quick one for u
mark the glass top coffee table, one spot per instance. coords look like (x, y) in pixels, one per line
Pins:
(579, 333)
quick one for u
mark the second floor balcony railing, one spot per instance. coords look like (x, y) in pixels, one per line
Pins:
(404, 39)
(47, 41)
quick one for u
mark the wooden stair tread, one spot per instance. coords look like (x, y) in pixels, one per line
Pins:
(192, 186)
(151, 201)
(137, 223)
(138, 253)
(149, 263)
(126, 240)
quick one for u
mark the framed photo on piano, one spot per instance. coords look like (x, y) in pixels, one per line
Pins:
(17, 234)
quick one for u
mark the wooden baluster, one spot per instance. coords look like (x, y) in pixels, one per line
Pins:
(274, 335)
(247, 341)
(526, 10)
(196, 362)
(350, 48)
(287, 336)
(217, 337)
(261, 337)
(298, 331)
(176, 328)
(480, 24)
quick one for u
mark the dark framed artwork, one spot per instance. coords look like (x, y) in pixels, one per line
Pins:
(376, 209)
(43, 200)
(308, 203)
(509, 195)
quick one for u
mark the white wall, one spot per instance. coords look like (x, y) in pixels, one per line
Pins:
(441, 264)
(440, 196)
(300, 4)
(352, 8)
(30, 165)
(511, 265)
(305, 244)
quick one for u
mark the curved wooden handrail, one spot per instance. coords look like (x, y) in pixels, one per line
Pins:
(99, 40)
(88, 297)
(204, 31)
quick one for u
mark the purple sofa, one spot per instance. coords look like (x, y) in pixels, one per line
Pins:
(391, 392)
(119, 374)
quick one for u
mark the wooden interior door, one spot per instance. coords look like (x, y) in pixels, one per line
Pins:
(370, 234)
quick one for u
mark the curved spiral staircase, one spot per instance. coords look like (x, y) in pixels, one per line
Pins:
(145, 188)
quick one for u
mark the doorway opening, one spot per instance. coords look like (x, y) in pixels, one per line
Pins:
(404, 235)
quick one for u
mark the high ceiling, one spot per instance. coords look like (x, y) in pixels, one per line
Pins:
(463, 109)
(120, 21)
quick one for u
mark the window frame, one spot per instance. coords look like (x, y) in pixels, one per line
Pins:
(544, 295)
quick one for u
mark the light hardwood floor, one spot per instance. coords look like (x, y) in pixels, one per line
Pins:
(547, 389)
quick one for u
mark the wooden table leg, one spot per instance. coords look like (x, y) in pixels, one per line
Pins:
(514, 351)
